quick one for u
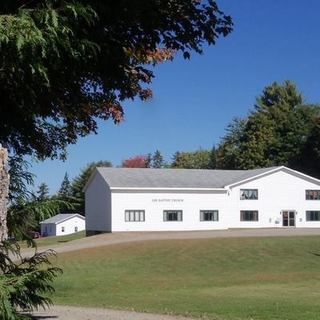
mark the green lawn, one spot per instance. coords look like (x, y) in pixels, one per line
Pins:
(48, 241)
(245, 278)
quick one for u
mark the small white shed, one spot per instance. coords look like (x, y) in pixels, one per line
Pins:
(62, 224)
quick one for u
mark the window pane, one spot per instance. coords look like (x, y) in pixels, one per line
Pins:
(313, 215)
(312, 194)
(248, 194)
(172, 215)
(209, 215)
(249, 215)
(134, 215)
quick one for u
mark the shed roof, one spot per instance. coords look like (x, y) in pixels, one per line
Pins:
(62, 217)
(176, 178)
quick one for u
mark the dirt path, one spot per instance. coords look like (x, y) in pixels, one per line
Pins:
(121, 237)
(79, 313)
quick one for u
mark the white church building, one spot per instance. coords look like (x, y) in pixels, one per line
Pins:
(125, 199)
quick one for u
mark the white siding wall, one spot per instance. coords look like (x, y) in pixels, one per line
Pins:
(51, 229)
(155, 203)
(98, 205)
(70, 225)
(278, 191)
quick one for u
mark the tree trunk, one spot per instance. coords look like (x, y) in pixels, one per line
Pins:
(4, 192)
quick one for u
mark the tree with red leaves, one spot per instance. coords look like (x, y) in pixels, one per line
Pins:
(139, 161)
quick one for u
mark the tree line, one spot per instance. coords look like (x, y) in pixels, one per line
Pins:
(280, 129)
(198, 159)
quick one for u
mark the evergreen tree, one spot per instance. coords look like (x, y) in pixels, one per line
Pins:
(148, 160)
(274, 133)
(157, 160)
(80, 181)
(26, 281)
(65, 188)
(42, 192)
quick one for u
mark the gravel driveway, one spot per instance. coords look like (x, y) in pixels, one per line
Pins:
(79, 313)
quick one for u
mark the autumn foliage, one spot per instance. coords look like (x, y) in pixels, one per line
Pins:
(135, 162)
(67, 64)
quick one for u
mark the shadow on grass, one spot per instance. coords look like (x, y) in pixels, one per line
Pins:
(315, 254)
(39, 317)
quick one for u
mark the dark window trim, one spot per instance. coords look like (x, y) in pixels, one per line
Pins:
(135, 210)
(310, 212)
(241, 190)
(252, 211)
(178, 211)
(213, 211)
(312, 190)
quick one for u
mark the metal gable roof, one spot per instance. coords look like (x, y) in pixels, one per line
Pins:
(61, 217)
(176, 178)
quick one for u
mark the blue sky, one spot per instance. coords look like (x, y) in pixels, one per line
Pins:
(194, 100)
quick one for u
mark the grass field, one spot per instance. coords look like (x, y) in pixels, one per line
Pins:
(243, 278)
(48, 241)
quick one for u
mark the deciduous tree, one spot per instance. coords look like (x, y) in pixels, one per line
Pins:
(139, 161)
(276, 132)
(199, 159)
(213, 158)
(227, 153)
(308, 159)
(66, 64)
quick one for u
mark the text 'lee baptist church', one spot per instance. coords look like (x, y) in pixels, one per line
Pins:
(125, 199)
